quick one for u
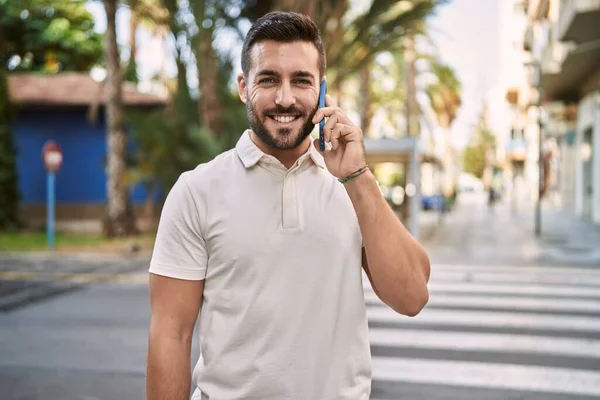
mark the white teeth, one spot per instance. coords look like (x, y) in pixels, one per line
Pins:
(283, 119)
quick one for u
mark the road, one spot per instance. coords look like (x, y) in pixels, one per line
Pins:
(496, 326)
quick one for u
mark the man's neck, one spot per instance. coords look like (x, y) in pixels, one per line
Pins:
(286, 157)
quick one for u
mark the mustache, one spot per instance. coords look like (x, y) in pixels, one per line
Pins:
(284, 110)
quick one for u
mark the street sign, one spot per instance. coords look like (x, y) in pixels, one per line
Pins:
(52, 156)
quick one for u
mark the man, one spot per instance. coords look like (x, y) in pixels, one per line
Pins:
(268, 245)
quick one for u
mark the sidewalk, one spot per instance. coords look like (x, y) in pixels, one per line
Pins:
(474, 234)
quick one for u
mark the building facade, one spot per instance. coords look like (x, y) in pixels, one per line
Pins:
(553, 100)
(570, 82)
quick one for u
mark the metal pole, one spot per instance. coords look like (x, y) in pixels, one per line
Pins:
(415, 201)
(538, 205)
(50, 211)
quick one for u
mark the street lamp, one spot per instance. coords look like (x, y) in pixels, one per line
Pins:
(535, 80)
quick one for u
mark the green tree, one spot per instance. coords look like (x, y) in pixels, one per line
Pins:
(48, 36)
(445, 99)
(353, 40)
(476, 156)
(192, 129)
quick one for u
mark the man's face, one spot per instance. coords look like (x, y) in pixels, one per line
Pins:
(281, 92)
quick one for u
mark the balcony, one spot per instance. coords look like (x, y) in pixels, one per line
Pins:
(565, 80)
(553, 57)
(537, 9)
(578, 20)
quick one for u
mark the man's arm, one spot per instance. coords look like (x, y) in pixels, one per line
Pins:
(396, 264)
(175, 307)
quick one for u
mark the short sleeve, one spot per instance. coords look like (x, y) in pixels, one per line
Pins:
(179, 249)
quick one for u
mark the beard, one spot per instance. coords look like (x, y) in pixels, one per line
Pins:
(282, 138)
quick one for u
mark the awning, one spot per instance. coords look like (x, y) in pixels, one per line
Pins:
(395, 150)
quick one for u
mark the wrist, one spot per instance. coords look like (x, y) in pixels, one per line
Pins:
(353, 175)
(365, 178)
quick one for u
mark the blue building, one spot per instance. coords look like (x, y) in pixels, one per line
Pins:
(69, 109)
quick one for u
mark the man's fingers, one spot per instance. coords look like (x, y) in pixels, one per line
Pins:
(328, 112)
(342, 132)
(329, 125)
(336, 133)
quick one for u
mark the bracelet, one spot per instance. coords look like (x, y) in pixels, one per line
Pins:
(354, 174)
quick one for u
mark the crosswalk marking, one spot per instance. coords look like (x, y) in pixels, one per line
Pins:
(554, 290)
(501, 328)
(591, 271)
(516, 303)
(496, 319)
(452, 340)
(488, 375)
(528, 277)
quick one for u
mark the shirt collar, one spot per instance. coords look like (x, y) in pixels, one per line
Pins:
(250, 154)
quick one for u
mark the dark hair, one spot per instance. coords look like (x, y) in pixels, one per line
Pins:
(283, 27)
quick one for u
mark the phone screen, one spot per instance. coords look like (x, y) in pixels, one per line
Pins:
(322, 93)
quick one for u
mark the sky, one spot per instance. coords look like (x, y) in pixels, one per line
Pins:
(465, 33)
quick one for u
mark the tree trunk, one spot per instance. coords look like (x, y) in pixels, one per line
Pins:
(412, 107)
(207, 63)
(307, 7)
(448, 162)
(366, 110)
(412, 111)
(131, 70)
(119, 220)
(9, 192)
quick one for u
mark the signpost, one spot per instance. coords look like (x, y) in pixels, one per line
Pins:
(53, 158)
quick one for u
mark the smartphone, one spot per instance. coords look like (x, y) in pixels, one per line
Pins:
(322, 93)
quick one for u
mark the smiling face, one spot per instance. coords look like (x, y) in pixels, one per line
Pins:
(281, 92)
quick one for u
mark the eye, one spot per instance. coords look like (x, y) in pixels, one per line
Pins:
(303, 81)
(267, 80)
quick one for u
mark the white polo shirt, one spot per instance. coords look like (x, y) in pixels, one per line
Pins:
(283, 313)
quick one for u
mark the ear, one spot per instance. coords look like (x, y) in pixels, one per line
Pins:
(242, 88)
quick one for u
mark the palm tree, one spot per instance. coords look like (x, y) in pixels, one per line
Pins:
(445, 99)
(119, 220)
(351, 43)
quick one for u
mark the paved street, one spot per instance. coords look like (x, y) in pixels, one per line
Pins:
(508, 318)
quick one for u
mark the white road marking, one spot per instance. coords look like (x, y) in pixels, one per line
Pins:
(473, 341)
(526, 277)
(496, 319)
(511, 289)
(488, 375)
(516, 303)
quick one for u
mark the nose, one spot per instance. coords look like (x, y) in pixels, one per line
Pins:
(285, 96)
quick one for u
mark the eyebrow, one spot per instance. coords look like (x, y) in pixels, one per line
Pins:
(303, 74)
(296, 74)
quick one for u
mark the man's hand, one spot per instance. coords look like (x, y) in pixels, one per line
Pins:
(347, 151)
